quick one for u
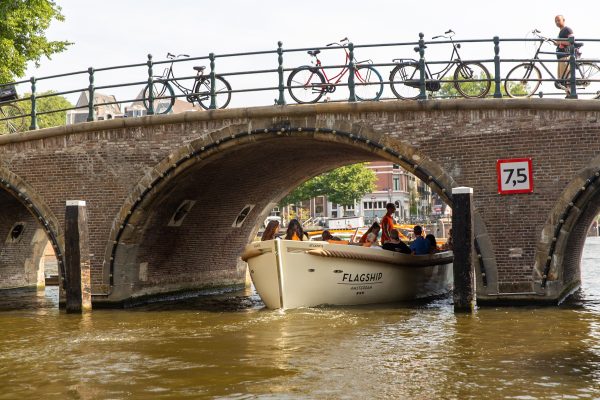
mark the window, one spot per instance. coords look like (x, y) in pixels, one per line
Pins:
(396, 181)
(396, 166)
(350, 207)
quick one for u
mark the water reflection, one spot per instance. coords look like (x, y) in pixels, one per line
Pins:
(230, 347)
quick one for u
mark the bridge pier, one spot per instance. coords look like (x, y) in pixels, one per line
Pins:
(463, 237)
(77, 258)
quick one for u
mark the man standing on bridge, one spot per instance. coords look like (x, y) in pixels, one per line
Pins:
(562, 50)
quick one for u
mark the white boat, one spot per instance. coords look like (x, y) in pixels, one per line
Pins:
(292, 274)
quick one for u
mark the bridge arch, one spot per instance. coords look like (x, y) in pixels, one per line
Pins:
(558, 265)
(173, 187)
(26, 224)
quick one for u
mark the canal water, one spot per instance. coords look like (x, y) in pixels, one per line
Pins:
(230, 347)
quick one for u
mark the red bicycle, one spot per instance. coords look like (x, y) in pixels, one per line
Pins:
(308, 83)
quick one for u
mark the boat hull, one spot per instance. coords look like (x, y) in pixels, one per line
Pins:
(291, 274)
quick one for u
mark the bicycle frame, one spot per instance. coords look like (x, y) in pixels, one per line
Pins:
(439, 75)
(338, 77)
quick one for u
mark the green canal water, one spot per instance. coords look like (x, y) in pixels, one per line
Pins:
(230, 347)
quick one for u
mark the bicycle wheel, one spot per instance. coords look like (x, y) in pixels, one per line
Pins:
(368, 84)
(404, 81)
(472, 80)
(523, 80)
(222, 92)
(16, 121)
(588, 78)
(162, 95)
(306, 85)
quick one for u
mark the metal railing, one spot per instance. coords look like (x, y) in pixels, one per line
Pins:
(262, 73)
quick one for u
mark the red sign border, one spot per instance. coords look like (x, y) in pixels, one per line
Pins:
(499, 175)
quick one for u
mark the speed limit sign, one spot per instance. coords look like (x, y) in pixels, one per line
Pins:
(515, 175)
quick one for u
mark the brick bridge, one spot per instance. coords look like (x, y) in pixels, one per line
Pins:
(163, 192)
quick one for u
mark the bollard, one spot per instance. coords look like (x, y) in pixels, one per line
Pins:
(213, 96)
(422, 75)
(497, 91)
(91, 114)
(150, 100)
(34, 125)
(77, 258)
(351, 71)
(463, 238)
(572, 69)
(281, 86)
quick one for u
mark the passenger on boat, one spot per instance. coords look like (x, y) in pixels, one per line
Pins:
(270, 231)
(294, 230)
(396, 244)
(420, 246)
(448, 245)
(370, 236)
(387, 223)
(329, 238)
(432, 244)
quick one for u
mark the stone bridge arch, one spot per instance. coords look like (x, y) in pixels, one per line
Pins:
(291, 153)
(560, 250)
(26, 226)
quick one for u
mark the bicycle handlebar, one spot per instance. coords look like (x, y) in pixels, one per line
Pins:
(339, 44)
(172, 56)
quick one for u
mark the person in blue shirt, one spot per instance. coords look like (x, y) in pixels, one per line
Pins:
(420, 246)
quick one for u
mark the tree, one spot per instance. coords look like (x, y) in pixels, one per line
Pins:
(45, 104)
(342, 185)
(448, 89)
(22, 35)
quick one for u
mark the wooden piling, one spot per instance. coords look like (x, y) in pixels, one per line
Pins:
(77, 258)
(463, 238)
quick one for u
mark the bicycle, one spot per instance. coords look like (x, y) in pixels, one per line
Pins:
(164, 96)
(307, 84)
(471, 79)
(12, 117)
(525, 79)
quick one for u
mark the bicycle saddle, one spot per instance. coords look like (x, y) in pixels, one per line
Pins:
(313, 52)
(199, 68)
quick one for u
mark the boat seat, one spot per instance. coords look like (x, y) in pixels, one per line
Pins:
(200, 68)
(313, 52)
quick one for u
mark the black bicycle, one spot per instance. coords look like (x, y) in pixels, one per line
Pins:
(163, 94)
(471, 79)
(525, 79)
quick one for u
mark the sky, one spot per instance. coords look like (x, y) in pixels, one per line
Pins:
(111, 32)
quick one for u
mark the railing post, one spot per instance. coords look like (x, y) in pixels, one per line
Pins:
(497, 81)
(281, 100)
(150, 100)
(91, 114)
(572, 67)
(34, 124)
(422, 83)
(351, 71)
(213, 96)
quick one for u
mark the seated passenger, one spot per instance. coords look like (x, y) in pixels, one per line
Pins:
(395, 243)
(294, 230)
(420, 246)
(375, 228)
(270, 231)
(432, 244)
(329, 238)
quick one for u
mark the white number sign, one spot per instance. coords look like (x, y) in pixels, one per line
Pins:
(515, 175)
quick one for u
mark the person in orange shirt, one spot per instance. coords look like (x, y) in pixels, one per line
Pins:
(294, 230)
(387, 223)
(370, 236)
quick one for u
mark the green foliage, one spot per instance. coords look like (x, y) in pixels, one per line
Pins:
(45, 104)
(342, 185)
(449, 91)
(22, 35)
(414, 200)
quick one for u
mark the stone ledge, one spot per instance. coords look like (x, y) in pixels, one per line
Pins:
(308, 109)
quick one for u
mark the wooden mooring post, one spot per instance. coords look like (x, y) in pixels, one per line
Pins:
(463, 239)
(77, 258)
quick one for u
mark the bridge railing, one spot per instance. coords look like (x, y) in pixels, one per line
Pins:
(420, 70)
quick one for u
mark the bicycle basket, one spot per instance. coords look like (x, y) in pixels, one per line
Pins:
(8, 93)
